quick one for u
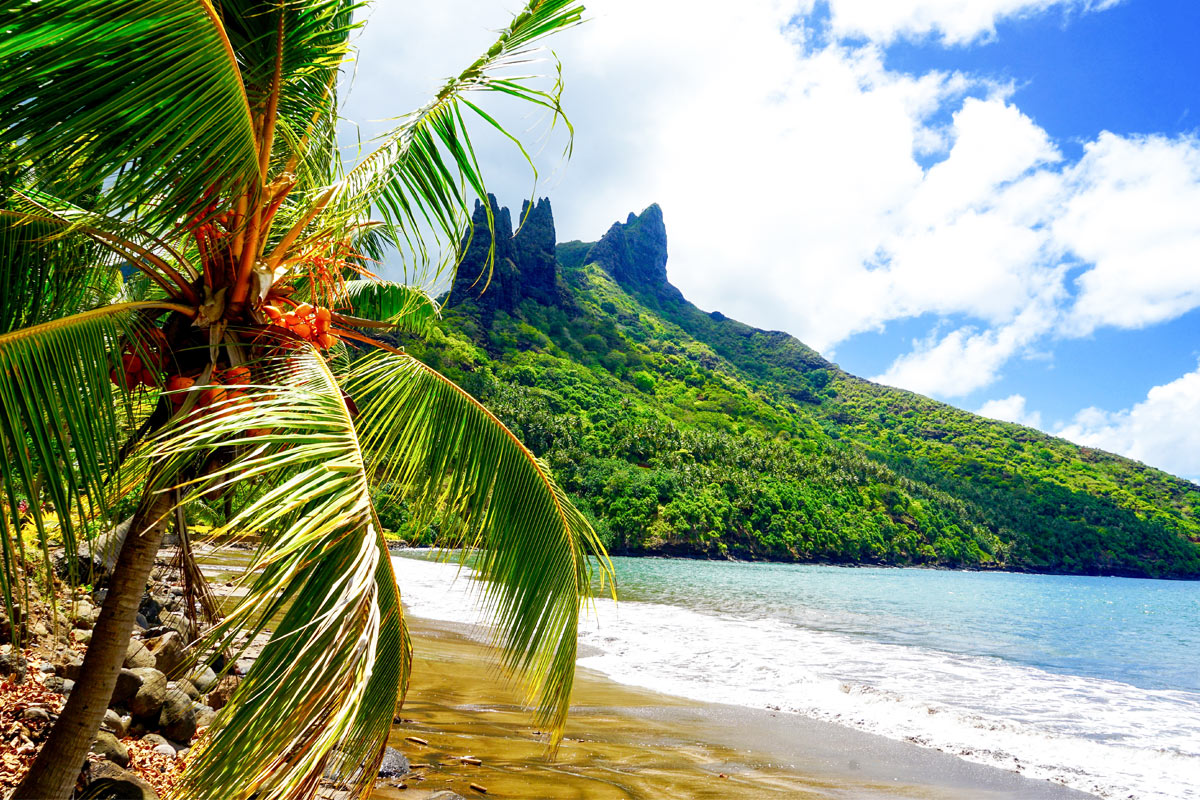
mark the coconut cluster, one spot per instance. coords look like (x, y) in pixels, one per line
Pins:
(223, 385)
(141, 361)
(307, 322)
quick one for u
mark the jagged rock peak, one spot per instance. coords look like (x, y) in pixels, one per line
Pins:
(635, 252)
(533, 251)
(524, 263)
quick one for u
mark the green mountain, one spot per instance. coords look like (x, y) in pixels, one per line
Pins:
(688, 433)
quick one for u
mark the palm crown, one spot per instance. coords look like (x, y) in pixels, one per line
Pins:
(185, 260)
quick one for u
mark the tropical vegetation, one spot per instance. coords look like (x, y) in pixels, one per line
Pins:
(186, 269)
(681, 432)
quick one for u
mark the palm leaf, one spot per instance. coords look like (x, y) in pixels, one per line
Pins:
(61, 429)
(45, 275)
(322, 693)
(290, 54)
(90, 88)
(115, 242)
(454, 458)
(382, 304)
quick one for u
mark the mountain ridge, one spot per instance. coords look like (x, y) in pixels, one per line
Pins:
(763, 448)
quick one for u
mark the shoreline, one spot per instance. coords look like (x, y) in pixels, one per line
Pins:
(397, 547)
(631, 743)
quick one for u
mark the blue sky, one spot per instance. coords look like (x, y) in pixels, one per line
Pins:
(991, 202)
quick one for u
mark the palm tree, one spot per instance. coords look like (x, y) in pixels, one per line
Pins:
(185, 265)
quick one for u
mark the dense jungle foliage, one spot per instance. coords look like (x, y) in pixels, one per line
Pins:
(686, 433)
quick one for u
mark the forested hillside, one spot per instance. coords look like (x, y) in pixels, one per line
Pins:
(687, 433)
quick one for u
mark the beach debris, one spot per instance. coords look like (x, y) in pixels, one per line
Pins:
(475, 787)
(416, 740)
(475, 762)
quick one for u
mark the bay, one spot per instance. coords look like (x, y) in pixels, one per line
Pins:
(1088, 682)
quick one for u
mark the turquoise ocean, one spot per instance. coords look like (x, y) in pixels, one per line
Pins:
(1089, 682)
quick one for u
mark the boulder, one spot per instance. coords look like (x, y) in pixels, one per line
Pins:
(205, 715)
(95, 558)
(203, 678)
(71, 668)
(185, 686)
(117, 724)
(149, 608)
(53, 683)
(224, 690)
(150, 696)
(107, 745)
(104, 780)
(155, 739)
(128, 682)
(178, 623)
(178, 717)
(165, 750)
(84, 615)
(138, 655)
(394, 764)
(82, 637)
(168, 652)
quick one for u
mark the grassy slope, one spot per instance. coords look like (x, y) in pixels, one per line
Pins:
(687, 433)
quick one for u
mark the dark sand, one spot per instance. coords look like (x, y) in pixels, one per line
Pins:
(623, 742)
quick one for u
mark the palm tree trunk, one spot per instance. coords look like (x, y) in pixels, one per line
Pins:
(56, 769)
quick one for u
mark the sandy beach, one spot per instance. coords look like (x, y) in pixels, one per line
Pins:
(627, 743)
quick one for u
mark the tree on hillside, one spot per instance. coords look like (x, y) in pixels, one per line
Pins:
(184, 262)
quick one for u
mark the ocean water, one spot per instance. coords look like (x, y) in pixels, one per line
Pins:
(1089, 682)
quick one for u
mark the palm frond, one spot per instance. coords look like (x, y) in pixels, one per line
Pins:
(382, 304)
(453, 458)
(424, 172)
(322, 693)
(142, 98)
(116, 243)
(290, 54)
(46, 275)
(62, 426)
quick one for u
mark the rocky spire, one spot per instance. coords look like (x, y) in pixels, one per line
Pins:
(533, 251)
(635, 254)
(524, 267)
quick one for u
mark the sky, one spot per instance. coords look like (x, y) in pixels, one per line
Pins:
(995, 203)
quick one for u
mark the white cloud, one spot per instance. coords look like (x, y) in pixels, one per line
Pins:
(1011, 409)
(1131, 213)
(966, 359)
(796, 177)
(956, 22)
(1161, 430)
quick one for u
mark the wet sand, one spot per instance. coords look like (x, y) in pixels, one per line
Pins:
(624, 743)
